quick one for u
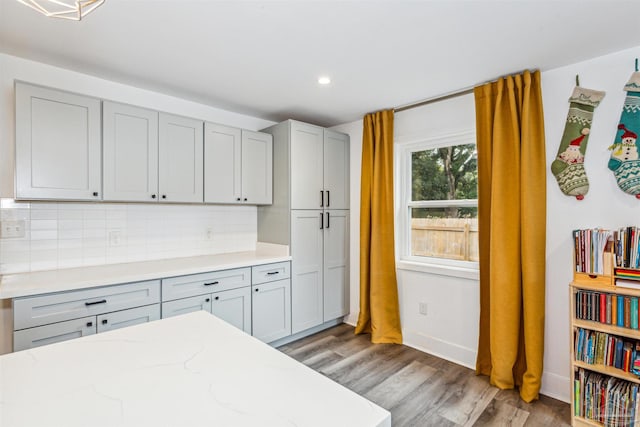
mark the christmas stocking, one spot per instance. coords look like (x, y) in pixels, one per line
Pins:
(568, 167)
(624, 152)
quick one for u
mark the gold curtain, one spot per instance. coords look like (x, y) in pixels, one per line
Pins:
(379, 310)
(512, 227)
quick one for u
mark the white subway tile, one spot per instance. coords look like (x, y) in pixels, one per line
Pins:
(44, 224)
(44, 234)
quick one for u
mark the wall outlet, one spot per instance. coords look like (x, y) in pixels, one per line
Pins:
(422, 308)
(115, 238)
(12, 229)
(209, 233)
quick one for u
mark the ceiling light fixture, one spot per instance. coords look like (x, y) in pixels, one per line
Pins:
(65, 9)
(324, 80)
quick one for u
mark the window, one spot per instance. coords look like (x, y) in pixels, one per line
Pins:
(438, 218)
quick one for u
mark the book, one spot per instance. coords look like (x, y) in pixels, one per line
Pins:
(620, 321)
(631, 284)
(634, 312)
(627, 312)
(603, 308)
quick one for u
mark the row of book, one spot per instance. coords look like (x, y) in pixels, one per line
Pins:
(627, 247)
(601, 348)
(611, 309)
(589, 250)
(607, 400)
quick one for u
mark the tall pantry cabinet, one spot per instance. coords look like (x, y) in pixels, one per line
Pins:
(310, 213)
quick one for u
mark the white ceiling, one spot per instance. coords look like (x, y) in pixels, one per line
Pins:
(263, 58)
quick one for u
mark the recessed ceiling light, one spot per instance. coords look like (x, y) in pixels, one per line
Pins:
(324, 80)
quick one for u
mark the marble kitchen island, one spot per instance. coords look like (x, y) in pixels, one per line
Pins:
(190, 370)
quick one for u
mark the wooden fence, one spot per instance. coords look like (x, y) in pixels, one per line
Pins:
(453, 238)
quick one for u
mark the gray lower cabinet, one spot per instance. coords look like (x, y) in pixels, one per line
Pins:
(49, 318)
(233, 306)
(271, 301)
(226, 294)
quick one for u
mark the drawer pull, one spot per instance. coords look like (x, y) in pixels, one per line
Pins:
(89, 324)
(217, 298)
(102, 301)
(104, 321)
(211, 283)
(207, 300)
(257, 290)
(271, 273)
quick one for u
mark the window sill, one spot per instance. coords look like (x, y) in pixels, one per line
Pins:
(443, 270)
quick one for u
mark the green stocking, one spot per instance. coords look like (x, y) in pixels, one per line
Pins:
(624, 160)
(568, 167)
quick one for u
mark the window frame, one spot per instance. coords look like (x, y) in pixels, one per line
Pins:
(404, 204)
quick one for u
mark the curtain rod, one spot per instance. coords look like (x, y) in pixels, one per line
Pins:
(449, 95)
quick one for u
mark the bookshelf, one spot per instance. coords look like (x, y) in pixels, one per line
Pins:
(605, 330)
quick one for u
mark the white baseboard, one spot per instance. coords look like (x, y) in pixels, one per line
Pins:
(444, 349)
(556, 386)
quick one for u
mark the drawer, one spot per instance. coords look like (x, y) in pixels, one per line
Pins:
(130, 317)
(43, 309)
(57, 332)
(270, 272)
(205, 283)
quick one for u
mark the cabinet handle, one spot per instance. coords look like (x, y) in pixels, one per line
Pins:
(321, 221)
(211, 283)
(95, 194)
(321, 198)
(217, 298)
(164, 196)
(238, 199)
(89, 324)
(104, 321)
(271, 273)
(153, 196)
(328, 199)
(257, 289)
(102, 301)
(328, 223)
(207, 300)
(245, 199)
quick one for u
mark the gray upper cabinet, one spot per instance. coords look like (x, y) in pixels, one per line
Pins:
(238, 165)
(130, 153)
(57, 145)
(320, 163)
(180, 163)
(336, 170)
(307, 189)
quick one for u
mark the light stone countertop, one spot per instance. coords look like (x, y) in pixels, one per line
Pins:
(41, 282)
(190, 370)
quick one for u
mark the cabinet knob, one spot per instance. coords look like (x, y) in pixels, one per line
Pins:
(95, 194)
(257, 289)
(89, 324)
(217, 298)
(207, 300)
(153, 196)
(238, 199)
(164, 196)
(245, 199)
(104, 321)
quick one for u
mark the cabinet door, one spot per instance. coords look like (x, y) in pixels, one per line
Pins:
(306, 269)
(257, 164)
(180, 161)
(271, 310)
(57, 145)
(56, 332)
(233, 307)
(130, 153)
(222, 164)
(124, 318)
(186, 305)
(336, 170)
(336, 264)
(306, 166)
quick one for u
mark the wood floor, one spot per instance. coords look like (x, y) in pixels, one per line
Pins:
(418, 389)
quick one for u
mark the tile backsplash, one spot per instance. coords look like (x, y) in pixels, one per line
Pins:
(64, 234)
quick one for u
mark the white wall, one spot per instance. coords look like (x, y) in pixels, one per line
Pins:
(63, 235)
(450, 328)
